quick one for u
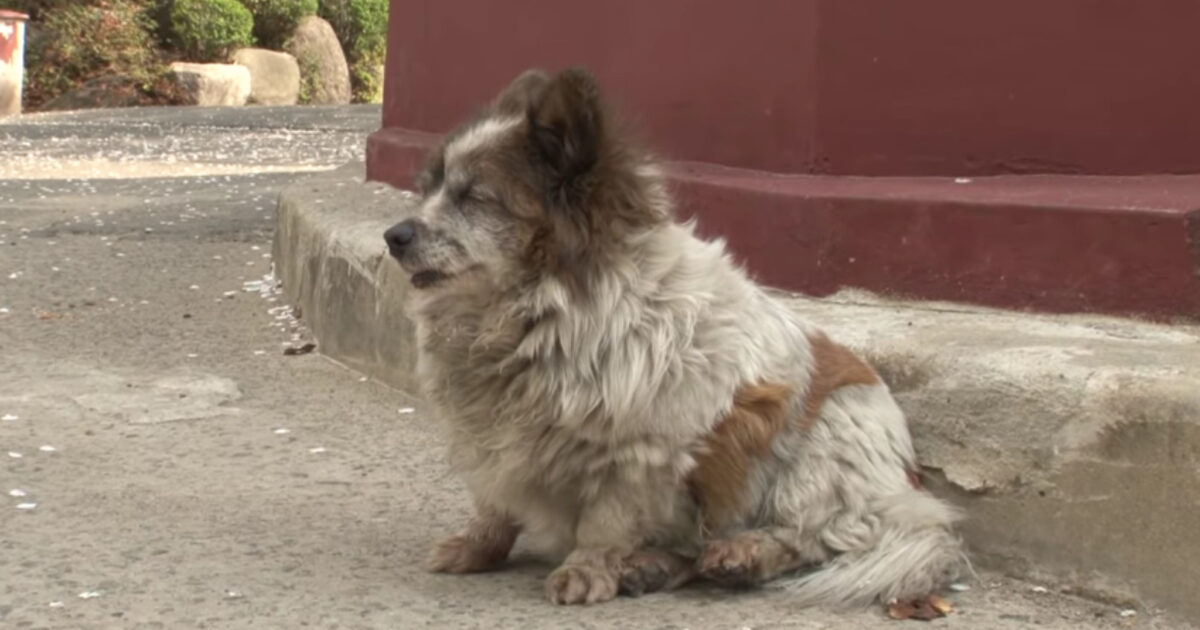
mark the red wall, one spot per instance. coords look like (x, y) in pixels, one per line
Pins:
(819, 89)
(874, 87)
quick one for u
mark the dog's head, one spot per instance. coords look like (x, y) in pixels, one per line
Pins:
(539, 183)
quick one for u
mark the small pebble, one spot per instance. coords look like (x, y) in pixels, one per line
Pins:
(15, 455)
(89, 594)
(192, 355)
(282, 431)
(1040, 589)
(46, 448)
(959, 588)
(26, 506)
(8, 417)
(16, 492)
(318, 449)
(407, 410)
(57, 604)
(1128, 612)
(195, 287)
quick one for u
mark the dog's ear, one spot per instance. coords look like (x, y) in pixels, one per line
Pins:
(516, 98)
(432, 172)
(566, 130)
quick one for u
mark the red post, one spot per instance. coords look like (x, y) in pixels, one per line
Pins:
(12, 60)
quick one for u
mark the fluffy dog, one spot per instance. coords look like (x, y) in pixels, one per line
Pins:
(619, 390)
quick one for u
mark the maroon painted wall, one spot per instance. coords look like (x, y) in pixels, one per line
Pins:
(874, 87)
(703, 81)
(797, 94)
(1012, 86)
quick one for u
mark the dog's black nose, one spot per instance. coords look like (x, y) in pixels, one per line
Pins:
(400, 235)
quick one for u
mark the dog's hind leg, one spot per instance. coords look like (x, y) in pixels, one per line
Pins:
(651, 570)
(755, 556)
(484, 545)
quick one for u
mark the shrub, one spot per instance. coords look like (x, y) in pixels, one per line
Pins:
(361, 27)
(274, 20)
(79, 41)
(207, 30)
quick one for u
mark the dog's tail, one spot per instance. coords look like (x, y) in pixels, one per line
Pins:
(914, 554)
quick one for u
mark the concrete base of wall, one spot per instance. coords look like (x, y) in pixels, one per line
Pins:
(1072, 442)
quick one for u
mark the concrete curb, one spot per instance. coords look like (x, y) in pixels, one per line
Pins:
(1072, 442)
(329, 255)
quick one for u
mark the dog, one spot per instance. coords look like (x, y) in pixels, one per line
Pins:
(620, 392)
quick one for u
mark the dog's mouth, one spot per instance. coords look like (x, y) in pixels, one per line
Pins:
(428, 278)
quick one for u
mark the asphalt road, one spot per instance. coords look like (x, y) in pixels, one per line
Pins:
(165, 465)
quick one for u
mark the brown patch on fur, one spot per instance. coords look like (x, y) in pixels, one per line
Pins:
(759, 413)
(722, 467)
(834, 366)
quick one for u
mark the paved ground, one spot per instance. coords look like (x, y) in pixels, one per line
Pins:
(145, 396)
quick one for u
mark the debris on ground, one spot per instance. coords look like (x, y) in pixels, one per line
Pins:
(293, 350)
(925, 609)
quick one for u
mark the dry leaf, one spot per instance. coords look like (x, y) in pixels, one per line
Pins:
(926, 609)
(941, 605)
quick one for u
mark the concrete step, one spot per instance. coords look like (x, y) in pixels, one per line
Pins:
(1073, 442)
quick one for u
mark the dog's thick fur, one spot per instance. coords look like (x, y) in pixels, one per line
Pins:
(619, 390)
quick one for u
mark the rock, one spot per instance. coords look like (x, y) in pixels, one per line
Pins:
(274, 76)
(211, 83)
(101, 92)
(323, 68)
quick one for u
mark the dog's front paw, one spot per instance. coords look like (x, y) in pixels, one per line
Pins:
(651, 571)
(581, 584)
(733, 562)
(461, 554)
